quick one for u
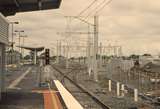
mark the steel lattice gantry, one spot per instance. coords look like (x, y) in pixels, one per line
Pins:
(11, 7)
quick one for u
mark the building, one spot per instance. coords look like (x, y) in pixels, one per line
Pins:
(34, 51)
(153, 71)
(143, 60)
(4, 32)
(12, 57)
(11, 7)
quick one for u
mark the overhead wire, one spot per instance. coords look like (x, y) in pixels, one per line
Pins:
(107, 3)
(95, 8)
(90, 5)
(99, 8)
(84, 10)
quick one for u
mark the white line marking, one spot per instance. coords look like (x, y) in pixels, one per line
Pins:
(18, 80)
(69, 100)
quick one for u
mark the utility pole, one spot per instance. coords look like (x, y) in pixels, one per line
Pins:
(57, 51)
(120, 51)
(95, 47)
(60, 48)
(64, 51)
(88, 52)
(12, 42)
(100, 54)
(22, 49)
(103, 52)
(95, 42)
(67, 56)
(19, 35)
(19, 40)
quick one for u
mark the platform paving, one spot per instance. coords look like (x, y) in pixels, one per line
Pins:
(26, 94)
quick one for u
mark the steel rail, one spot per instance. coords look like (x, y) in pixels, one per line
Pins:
(89, 93)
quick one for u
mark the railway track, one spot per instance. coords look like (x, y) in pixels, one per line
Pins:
(101, 104)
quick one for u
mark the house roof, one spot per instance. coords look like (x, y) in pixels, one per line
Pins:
(32, 48)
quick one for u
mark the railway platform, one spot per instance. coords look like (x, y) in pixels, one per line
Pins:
(23, 92)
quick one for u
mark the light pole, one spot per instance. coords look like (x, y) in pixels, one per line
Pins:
(12, 24)
(22, 51)
(12, 43)
(19, 35)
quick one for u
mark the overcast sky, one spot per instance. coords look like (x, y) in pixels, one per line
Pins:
(134, 24)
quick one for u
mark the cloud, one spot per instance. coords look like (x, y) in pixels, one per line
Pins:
(127, 21)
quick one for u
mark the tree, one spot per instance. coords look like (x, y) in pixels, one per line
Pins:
(27, 57)
(133, 56)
